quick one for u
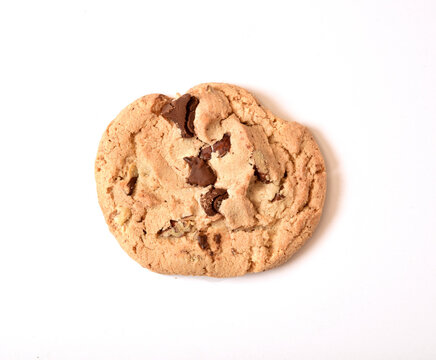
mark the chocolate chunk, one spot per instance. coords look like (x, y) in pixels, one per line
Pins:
(218, 200)
(182, 112)
(211, 201)
(201, 173)
(202, 241)
(205, 153)
(217, 238)
(131, 185)
(192, 105)
(261, 176)
(222, 147)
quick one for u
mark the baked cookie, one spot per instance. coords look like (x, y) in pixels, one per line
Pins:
(210, 183)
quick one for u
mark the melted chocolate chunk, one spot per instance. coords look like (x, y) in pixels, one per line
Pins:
(182, 112)
(222, 147)
(192, 105)
(211, 201)
(201, 173)
(131, 185)
(205, 153)
(218, 201)
(261, 176)
(217, 238)
(202, 241)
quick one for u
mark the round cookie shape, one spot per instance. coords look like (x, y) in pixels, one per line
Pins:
(210, 183)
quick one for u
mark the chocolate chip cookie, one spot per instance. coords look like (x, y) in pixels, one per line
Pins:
(209, 183)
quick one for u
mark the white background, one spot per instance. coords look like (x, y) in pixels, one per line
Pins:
(360, 74)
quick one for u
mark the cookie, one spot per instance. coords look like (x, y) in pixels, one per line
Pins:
(210, 183)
